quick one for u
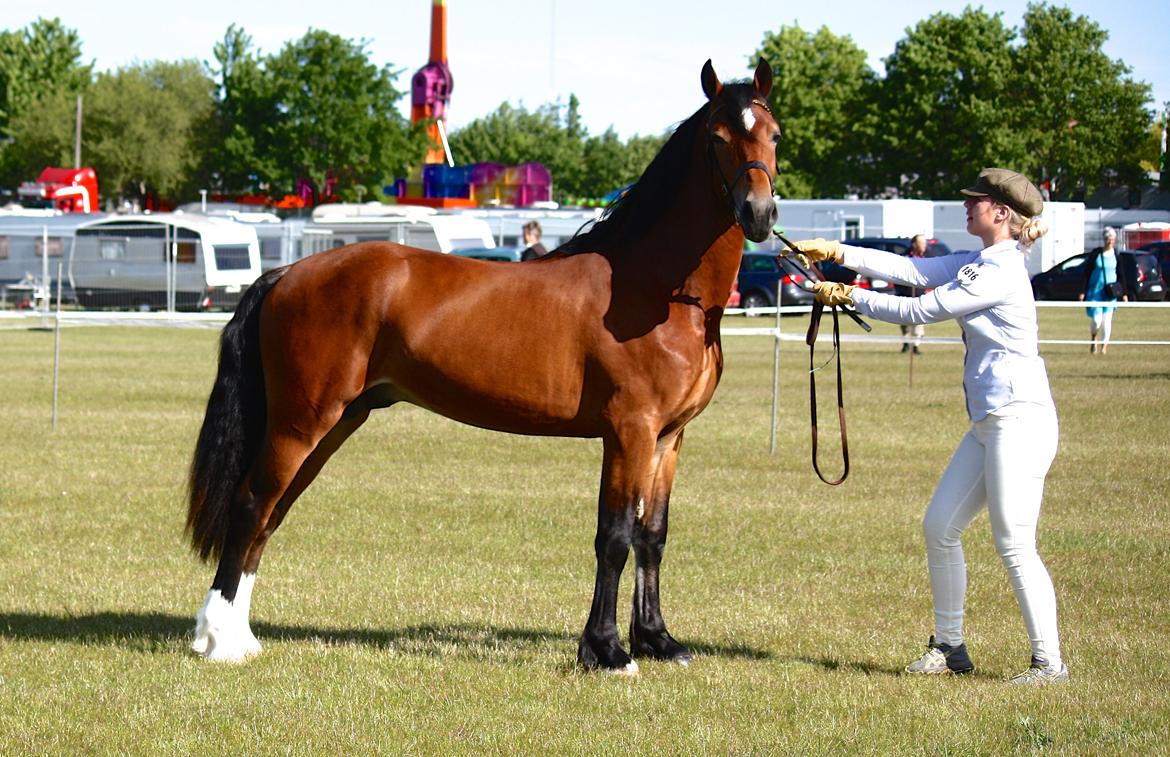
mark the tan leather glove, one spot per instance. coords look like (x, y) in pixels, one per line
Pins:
(833, 293)
(809, 251)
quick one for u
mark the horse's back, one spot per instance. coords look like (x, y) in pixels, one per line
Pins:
(500, 345)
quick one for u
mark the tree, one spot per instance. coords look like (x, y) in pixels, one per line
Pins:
(141, 127)
(820, 94)
(941, 107)
(581, 166)
(37, 64)
(243, 111)
(333, 117)
(1082, 120)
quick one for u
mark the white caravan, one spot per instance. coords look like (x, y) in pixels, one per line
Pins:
(163, 260)
(1065, 237)
(852, 219)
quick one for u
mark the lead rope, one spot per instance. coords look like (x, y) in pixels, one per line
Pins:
(814, 325)
(810, 339)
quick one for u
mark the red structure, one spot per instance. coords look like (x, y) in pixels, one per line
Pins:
(71, 190)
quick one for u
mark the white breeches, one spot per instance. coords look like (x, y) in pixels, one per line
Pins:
(1001, 464)
(1101, 324)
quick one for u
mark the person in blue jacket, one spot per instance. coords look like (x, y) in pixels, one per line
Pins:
(1002, 461)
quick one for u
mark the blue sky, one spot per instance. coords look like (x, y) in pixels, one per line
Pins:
(634, 64)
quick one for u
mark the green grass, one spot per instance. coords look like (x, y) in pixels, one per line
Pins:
(425, 595)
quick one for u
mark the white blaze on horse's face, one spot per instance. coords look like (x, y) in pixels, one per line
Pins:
(749, 118)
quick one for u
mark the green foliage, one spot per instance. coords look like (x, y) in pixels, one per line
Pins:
(821, 90)
(962, 93)
(334, 116)
(38, 64)
(582, 166)
(943, 106)
(142, 126)
(1082, 120)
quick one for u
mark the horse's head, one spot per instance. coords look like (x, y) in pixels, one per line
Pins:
(742, 137)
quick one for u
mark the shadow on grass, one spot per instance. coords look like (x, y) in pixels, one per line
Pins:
(157, 630)
(832, 663)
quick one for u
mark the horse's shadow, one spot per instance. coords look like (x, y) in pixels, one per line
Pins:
(156, 631)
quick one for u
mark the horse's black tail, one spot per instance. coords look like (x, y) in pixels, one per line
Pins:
(233, 427)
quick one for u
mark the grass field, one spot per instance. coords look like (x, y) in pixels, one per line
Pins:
(426, 594)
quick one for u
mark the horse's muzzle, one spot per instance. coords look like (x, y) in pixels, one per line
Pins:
(757, 216)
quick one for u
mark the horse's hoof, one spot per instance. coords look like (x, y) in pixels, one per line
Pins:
(683, 660)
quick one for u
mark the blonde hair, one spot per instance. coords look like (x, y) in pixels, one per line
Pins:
(1025, 230)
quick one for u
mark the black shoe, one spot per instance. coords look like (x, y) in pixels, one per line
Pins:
(916, 351)
(905, 348)
(942, 658)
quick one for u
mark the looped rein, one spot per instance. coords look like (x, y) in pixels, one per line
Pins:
(810, 339)
(814, 325)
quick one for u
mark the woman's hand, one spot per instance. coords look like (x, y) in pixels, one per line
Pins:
(833, 293)
(809, 251)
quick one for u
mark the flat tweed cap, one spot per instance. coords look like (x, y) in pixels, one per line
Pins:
(1011, 188)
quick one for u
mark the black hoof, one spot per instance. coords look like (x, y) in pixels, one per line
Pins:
(606, 656)
(659, 646)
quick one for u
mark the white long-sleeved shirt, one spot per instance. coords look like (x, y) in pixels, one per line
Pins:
(990, 294)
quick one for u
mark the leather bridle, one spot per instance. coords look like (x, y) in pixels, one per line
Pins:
(814, 274)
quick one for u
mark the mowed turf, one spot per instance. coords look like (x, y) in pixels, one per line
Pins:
(426, 594)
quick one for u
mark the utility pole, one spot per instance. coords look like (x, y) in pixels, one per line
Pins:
(77, 138)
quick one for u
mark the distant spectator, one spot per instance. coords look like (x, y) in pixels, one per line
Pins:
(1102, 273)
(533, 249)
(915, 330)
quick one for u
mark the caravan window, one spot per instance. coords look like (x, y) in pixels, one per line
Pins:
(270, 249)
(56, 247)
(111, 249)
(232, 257)
(185, 252)
(3, 248)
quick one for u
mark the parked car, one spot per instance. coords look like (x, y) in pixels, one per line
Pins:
(1065, 280)
(1160, 250)
(896, 245)
(501, 254)
(763, 274)
(734, 298)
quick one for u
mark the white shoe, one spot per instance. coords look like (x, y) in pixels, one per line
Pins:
(1041, 674)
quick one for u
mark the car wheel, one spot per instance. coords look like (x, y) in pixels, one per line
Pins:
(754, 300)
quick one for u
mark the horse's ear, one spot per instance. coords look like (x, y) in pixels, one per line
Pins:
(763, 77)
(711, 84)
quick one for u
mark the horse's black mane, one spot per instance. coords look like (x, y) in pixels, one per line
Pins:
(645, 201)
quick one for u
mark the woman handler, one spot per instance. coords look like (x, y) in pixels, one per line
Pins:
(1002, 461)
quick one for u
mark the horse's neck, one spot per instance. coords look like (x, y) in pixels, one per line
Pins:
(697, 247)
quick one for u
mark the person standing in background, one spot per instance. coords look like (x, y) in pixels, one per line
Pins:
(533, 249)
(1102, 273)
(913, 330)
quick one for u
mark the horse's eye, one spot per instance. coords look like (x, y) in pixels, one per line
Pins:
(776, 138)
(717, 138)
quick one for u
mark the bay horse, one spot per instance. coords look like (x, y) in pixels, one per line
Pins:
(624, 346)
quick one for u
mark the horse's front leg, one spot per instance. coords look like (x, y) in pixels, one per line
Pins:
(648, 634)
(626, 479)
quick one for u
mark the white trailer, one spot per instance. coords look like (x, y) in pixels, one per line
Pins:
(851, 219)
(342, 224)
(1065, 237)
(27, 273)
(163, 260)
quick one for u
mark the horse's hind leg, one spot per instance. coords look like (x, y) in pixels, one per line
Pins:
(648, 634)
(222, 630)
